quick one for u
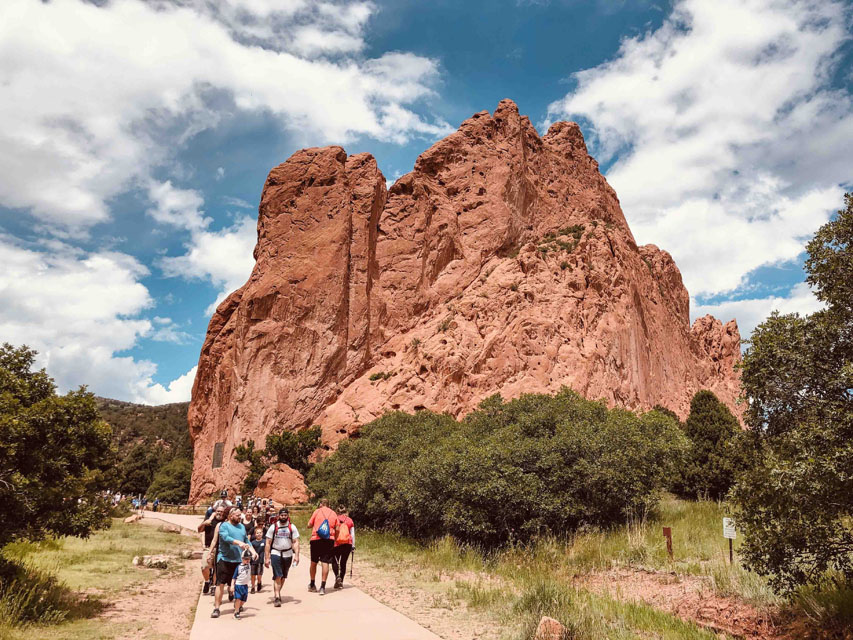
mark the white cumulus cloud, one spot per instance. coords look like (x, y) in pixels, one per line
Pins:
(96, 96)
(178, 390)
(750, 312)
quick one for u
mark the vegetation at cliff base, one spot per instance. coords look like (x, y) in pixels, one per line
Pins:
(795, 500)
(509, 470)
(292, 449)
(712, 458)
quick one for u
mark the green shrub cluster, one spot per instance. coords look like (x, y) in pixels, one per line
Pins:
(508, 471)
(292, 449)
(713, 456)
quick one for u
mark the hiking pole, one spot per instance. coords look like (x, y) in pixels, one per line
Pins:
(352, 563)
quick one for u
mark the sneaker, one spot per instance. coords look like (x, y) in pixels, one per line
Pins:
(277, 602)
(312, 587)
(215, 613)
(252, 590)
(322, 591)
(339, 584)
(206, 588)
(230, 596)
(237, 615)
(260, 586)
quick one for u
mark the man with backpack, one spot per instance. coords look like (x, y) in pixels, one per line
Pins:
(344, 545)
(282, 549)
(324, 523)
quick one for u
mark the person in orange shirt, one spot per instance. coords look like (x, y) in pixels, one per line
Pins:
(323, 523)
(344, 545)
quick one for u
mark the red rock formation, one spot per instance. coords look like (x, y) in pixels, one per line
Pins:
(501, 264)
(283, 485)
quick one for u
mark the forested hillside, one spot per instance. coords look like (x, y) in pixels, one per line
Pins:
(154, 450)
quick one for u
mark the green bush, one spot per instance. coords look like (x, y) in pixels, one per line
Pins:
(172, 482)
(508, 471)
(711, 461)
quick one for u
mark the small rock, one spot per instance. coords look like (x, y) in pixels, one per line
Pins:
(133, 518)
(152, 562)
(550, 629)
(169, 528)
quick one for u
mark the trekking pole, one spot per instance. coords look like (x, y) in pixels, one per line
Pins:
(352, 563)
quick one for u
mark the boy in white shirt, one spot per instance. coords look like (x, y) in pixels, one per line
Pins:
(242, 578)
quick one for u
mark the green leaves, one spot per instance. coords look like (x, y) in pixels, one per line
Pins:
(712, 459)
(795, 501)
(508, 471)
(56, 457)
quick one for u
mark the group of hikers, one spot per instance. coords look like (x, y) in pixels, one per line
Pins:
(239, 544)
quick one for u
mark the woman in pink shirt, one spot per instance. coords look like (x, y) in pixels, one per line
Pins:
(344, 545)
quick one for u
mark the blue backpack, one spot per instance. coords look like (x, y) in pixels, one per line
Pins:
(324, 530)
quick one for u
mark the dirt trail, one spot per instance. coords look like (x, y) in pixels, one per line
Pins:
(164, 606)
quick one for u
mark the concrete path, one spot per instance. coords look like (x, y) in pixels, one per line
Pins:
(348, 613)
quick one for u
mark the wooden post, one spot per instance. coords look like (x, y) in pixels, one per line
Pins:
(667, 533)
(731, 555)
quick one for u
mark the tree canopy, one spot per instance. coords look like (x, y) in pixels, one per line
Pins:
(55, 454)
(508, 471)
(796, 501)
(710, 464)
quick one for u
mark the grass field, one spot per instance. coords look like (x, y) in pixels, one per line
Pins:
(514, 587)
(90, 574)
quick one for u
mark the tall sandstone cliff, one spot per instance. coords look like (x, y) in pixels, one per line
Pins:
(501, 264)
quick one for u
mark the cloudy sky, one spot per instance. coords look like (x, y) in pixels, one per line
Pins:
(135, 136)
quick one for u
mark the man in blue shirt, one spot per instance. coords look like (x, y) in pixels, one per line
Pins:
(232, 541)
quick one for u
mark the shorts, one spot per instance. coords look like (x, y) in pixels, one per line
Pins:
(322, 550)
(241, 592)
(258, 568)
(280, 566)
(225, 571)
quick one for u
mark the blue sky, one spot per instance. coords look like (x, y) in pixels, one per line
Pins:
(135, 138)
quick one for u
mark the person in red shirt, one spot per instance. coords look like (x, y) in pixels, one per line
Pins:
(344, 545)
(323, 523)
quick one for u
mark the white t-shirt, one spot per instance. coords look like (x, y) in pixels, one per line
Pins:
(243, 574)
(282, 543)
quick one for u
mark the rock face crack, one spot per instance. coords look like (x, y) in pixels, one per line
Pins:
(336, 311)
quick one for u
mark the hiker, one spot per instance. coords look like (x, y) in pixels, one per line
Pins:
(323, 521)
(249, 524)
(241, 582)
(344, 545)
(258, 564)
(282, 550)
(232, 539)
(223, 500)
(208, 527)
(156, 503)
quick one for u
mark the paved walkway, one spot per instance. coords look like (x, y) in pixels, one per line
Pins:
(348, 613)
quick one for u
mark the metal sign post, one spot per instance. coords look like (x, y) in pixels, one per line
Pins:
(730, 533)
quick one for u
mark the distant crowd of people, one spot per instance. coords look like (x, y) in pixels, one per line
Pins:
(239, 544)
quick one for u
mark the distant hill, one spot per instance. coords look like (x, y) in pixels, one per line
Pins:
(164, 425)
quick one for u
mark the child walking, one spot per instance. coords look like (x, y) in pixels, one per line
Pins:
(258, 544)
(241, 582)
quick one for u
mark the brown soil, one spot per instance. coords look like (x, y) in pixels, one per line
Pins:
(427, 599)
(690, 598)
(165, 606)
